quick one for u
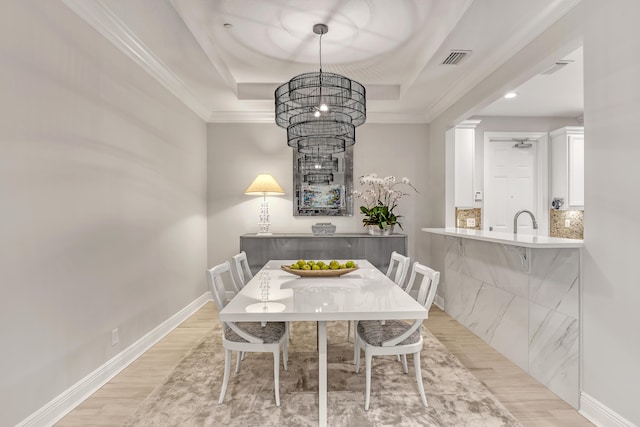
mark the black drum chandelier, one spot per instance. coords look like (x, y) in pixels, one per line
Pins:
(320, 110)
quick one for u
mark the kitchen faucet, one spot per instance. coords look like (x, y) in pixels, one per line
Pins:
(515, 220)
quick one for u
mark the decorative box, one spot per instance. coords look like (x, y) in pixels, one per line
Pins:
(323, 229)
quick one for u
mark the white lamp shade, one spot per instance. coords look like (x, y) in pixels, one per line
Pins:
(264, 185)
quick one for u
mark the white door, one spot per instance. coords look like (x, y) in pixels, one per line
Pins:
(511, 186)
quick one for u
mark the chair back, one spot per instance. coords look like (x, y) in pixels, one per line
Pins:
(429, 279)
(400, 264)
(242, 268)
(216, 283)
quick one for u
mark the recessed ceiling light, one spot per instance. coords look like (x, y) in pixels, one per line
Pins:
(510, 95)
(228, 25)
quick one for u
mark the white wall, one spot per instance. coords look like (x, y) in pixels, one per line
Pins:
(611, 286)
(238, 152)
(103, 212)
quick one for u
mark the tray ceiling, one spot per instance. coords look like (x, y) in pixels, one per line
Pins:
(224, 58)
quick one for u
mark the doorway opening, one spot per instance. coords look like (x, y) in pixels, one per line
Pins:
(515, 178)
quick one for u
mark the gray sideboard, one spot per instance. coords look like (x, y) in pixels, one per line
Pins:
(376, 249)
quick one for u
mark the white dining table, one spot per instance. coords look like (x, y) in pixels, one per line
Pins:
(365, 294)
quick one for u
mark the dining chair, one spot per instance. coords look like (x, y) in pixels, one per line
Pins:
(243, 271)
(244, 337)
(244, 274)
(399, 264)
(397, 337)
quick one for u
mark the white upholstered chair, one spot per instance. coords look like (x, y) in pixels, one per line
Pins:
(397, 336)
(243, 271)
(246, 337)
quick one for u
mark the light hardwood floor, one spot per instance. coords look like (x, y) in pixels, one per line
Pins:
(528, 400)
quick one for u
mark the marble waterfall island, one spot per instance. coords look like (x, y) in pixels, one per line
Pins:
(521, 295)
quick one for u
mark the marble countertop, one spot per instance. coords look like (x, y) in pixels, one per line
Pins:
(523, 240)
(306, 235)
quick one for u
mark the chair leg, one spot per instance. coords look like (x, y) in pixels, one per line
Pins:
(240, 358)
(356, 344)
(276, 375)
(227, 370)
(243, 355)
(287, 329)
(367, 392)
(349, 329)
(405, 369)
(416, 363)
(285, 354)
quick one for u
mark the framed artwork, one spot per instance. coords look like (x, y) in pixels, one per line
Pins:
(323, 184)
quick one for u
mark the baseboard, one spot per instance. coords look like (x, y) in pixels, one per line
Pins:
(600, 415)
(439, 302)
(74, 395)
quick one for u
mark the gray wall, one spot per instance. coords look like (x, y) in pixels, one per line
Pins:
(102, 188)
(611, 341)
(239, 152)
(561, 38)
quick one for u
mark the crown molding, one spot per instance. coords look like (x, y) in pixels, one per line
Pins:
(396, 118)
(468, 124)
(242, 117)
(269, 117)
(103, 20)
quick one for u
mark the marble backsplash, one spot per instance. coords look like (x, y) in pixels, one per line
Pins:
(474, 214)
(566, 223)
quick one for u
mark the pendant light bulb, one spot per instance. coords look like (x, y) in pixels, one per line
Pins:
(324, 108)
(317, 113)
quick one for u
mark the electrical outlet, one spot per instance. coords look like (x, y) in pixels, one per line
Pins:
(115, 338)
(567, 223)
(471, 222)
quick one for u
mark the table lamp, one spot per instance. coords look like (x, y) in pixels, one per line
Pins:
(264, 185)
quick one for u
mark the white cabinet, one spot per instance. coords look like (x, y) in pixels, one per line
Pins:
(464, 159)
(567, 166)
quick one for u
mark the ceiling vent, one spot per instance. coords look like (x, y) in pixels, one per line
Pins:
(455, 57)
(557, 66)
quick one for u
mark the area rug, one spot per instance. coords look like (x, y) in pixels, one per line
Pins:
(189, 396)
